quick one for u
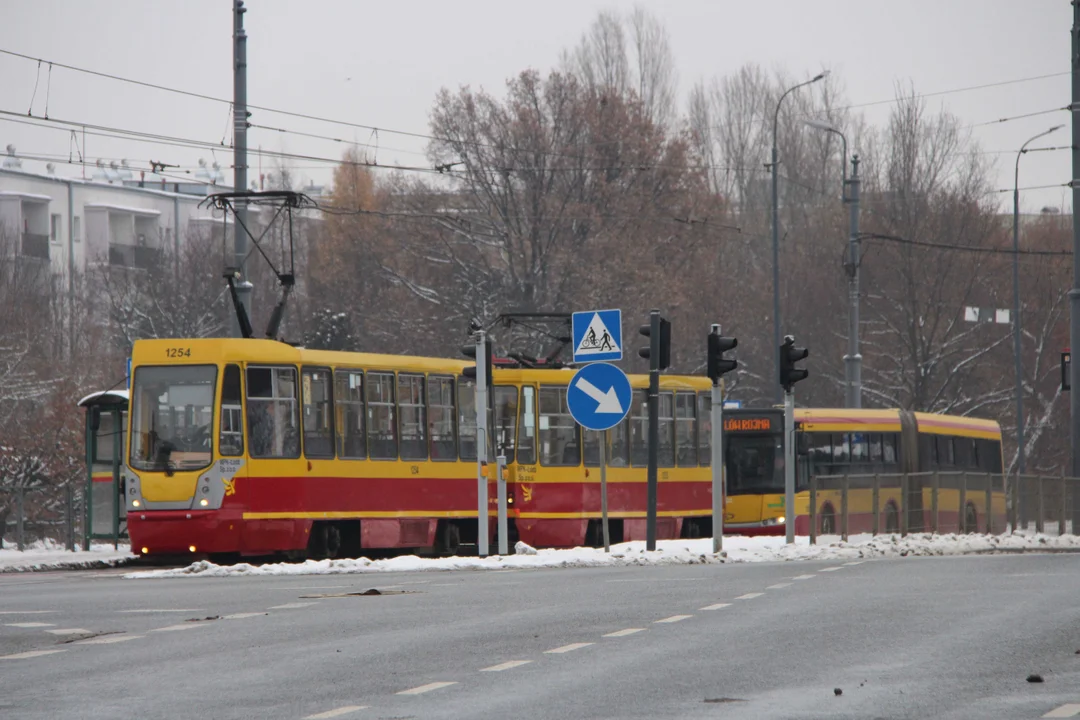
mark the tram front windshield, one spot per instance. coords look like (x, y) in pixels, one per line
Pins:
(755, 464)
(171, 416)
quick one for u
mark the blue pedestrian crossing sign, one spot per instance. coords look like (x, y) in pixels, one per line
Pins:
(599, 396)
(597, 336)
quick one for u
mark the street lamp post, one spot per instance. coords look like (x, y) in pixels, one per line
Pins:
(1018, 362)
(776, 235)
(850, 197)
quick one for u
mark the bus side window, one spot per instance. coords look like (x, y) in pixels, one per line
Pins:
(412, 423)
(316, 416)
(888, 449)
(560, 442)
(685, 429)
(231, 432)
(875, 449)
(349, 396)
(382, 430)
(526, 442)
(441, 410)
(704, 426)
(466, 409)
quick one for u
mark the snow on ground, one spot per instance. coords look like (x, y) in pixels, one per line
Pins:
(50, 555)
(668, 552)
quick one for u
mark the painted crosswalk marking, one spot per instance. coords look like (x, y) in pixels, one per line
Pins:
(566, 648)
(291, 606)
(1065, 711)
(716, 606)
(108, 639)
(30, 625)
(174, 628)
(778, 586)
(673, 619)
(31, 654)
(749, 596)
(508, 665)
(338, 712)
(426, 688)
(624, 633)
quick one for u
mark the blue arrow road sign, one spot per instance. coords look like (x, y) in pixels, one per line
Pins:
(597, 336)
(599, 396)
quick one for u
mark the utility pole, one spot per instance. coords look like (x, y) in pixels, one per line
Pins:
(717, 366)
(1074, 294)
(240, 125)
(482, 380)
(654, 429)
(853, 360)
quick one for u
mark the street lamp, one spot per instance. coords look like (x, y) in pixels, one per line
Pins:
(1020, 459)
(776, 235)
(853, 359)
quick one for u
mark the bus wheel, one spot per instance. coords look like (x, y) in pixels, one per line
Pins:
(828, 521)
(892, 519)
(971, 519)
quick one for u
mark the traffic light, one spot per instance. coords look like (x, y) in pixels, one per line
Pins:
(717, 364)
(789, 355)
(1066, 362)
(469, 351)
(661, 343)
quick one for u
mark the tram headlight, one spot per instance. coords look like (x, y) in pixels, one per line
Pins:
(204, 502)
(191, 548)
(136, 503)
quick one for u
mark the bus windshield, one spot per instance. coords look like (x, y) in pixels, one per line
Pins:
(755, 464)
(171, 415)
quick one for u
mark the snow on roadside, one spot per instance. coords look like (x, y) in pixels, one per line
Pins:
(50, 555)
(668, 552)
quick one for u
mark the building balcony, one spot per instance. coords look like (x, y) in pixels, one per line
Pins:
(134, 256)
(34, 245)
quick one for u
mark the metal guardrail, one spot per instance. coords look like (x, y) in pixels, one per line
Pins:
(22, 521)
(940, 502)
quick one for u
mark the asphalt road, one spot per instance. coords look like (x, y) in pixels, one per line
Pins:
(906, 638)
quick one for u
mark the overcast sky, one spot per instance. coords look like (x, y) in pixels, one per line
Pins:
(381, 63)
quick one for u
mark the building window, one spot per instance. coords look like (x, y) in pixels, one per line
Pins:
(54, 228)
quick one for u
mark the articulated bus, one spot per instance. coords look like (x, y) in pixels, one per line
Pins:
(251, 447)
(862, 444)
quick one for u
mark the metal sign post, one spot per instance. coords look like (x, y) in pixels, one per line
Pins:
(481, 447)
(500, 483)
(717, 463)
(789, 465)
(599, 397)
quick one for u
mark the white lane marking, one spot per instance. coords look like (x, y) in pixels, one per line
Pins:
(426, 688)
(831, 569)
(624, 633)
(162, 610)
(291, 606)
(174, 628)
(26, 612)
(716, 606)
(335, 713)
(802, 577)
(241, 616)
(857, 562)
(31, 654)
(307, 587)
(30, 624)
(108, 639)
(749, 596)
(1069, 710)
(566, 648)
(673, 619)
(506, 665)
(69, 631)
(778, 586)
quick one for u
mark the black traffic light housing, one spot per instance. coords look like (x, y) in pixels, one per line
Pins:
(718, 365)
(469, 351)
(1066, 362)
(661, 343)
(789, 355)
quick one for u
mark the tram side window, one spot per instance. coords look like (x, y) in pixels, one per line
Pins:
(506, 413)
(349, 396)
(590, 442)
(526, 442)
(411, 411)
(382, 430)
(620, 444)
(685, 429)
(704, 429)
(318, 421)
(667, 430)
(559, 437)
(231, 433)
(441, 417)
(467, 419)
(273, 423)
(639, 429)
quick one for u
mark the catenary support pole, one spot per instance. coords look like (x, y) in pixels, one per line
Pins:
(1074, 294)
(240, 160)
(853, 360)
